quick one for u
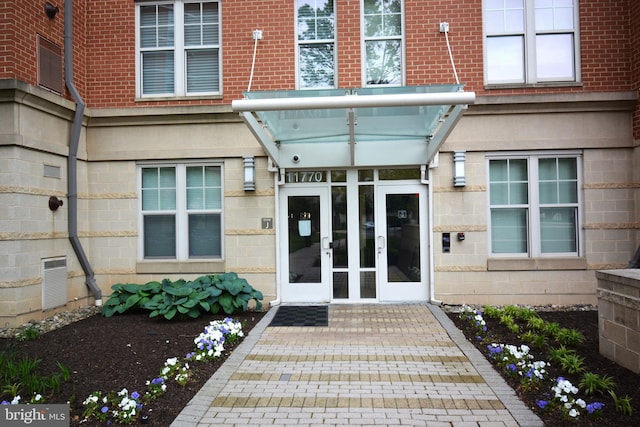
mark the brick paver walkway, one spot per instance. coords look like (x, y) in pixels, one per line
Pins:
(374, 365)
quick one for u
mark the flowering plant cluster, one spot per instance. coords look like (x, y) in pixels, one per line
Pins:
(475, 319)
(124, 407)
(518, 362)
(564, 398)
(120, 406)
(210, 343)
(37, 398)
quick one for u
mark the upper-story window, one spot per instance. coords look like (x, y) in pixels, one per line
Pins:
(316, 44)
(531, 41)
(383, 42)
(178, 48)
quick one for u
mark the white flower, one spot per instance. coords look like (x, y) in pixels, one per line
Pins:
(581, 403)
(171, 361)
(573, 413)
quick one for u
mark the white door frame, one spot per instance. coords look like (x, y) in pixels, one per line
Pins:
(409, 290)
(300, 291)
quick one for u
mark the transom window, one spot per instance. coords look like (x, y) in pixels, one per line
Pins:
(534, 205)
(178, 46)
(383, 40)
(531, 41)
(316, 44)
(181, 211)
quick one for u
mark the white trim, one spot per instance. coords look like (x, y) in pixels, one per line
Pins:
(180, 212)
(179, 50)
(403, 49)
(534, 241)
(297, 43)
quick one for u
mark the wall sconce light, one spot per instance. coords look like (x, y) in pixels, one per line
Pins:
(459, 179)
(50, 10)
(54, 203)
(249, 163)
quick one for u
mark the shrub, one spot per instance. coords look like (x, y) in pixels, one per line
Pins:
(594, 383)
(181, 299)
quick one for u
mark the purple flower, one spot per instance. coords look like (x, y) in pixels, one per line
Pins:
(511, 367)
(479, 338)
(595, 406)
(542, 403)
(104, 409)
(135, 395)
(157, 381)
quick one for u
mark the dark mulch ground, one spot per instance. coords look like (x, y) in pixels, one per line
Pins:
(108, 354)
(627, 382)
(124, 351)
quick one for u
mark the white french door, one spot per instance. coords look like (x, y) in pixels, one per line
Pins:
(354, 240)
(402, 243)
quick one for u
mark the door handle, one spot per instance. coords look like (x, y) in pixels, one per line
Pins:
(381, 243)
(326, 244)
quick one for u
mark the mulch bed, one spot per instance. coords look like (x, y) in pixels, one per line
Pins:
(124, 351)
(586, 322)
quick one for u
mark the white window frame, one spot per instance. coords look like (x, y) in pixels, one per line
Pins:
(403, 48)
(180, 61)
(529, 34)
(181, 213)
(334, 41)
(534, 238)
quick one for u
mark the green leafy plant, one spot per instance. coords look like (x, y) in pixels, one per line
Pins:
(236, 294)
(19, 376)
(572, 364)
(492, 312)
(622, 404)
(29, 333)
(534, 339)
(536, 323)
(571, 337)
(557, 354)
(129, 296)
(551, 329)
(593, 383)
(181, 299)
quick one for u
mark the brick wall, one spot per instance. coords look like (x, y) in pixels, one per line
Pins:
(634, 43)
(104, 47)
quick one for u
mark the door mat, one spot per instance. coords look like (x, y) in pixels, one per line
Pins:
(301, 315)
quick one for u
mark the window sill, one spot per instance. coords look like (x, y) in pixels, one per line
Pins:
(529, 264)
(184, 267)
(496, 86)
(177, 98)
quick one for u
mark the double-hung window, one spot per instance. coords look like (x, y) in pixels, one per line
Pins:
(383, 42)
(316, 44)
(531, 41)
(181, 211)
(178, 48)
(534, 205)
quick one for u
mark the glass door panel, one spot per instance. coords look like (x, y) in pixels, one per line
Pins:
(401, 242)
(306, 252)
(367, 234)
(340, 242)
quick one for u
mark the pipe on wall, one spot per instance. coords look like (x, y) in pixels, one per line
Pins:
(72, 160)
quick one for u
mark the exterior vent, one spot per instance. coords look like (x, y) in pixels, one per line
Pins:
(49, 65)
(54, 283)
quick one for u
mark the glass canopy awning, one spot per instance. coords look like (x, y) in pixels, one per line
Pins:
(370, 127)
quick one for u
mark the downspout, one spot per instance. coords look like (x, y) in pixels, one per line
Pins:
(72, 160)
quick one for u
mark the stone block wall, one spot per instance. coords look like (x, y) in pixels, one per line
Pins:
(619, 316)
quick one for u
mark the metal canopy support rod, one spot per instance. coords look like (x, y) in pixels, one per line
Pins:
(353, 101)
(352, 136)
(443, 132)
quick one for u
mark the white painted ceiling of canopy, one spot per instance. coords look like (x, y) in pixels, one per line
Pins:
(366, 127)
